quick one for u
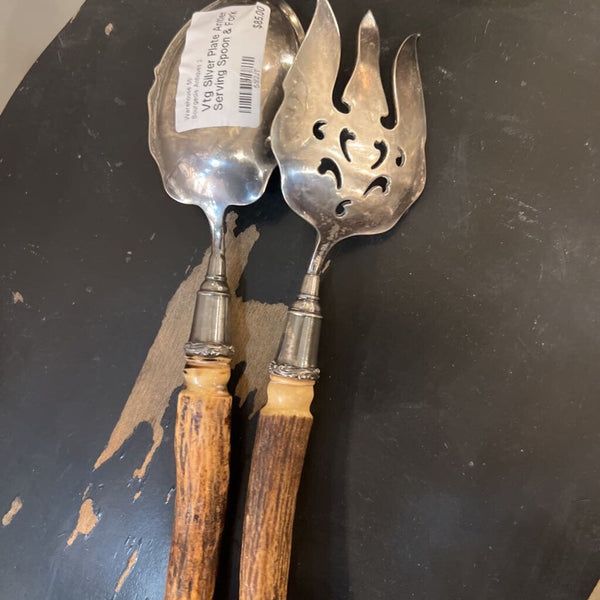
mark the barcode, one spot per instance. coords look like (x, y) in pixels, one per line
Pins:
(246, 76)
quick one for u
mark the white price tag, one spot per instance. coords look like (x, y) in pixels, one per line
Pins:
(220, 68)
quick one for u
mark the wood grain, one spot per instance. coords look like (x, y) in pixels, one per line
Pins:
(277, 459)
(202, 445)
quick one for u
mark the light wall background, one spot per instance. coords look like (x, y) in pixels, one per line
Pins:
(26, 28)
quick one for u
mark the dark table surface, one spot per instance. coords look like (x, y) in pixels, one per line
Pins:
(456, 447)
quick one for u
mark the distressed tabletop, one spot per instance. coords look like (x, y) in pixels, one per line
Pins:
(455, 450)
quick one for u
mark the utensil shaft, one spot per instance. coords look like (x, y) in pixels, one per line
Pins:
(284, 426)
(202, 447)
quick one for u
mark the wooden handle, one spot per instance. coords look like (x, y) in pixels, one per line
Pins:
(277, 458)
(202, 444)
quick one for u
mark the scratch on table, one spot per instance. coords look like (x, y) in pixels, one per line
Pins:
(15, 507)
(525, 205)
(169, 495)
(446, 74)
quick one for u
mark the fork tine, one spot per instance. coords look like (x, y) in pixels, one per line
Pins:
(308, 87)
(408, 92)
(364, 87)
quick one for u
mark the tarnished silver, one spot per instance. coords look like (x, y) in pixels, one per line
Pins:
(283, 370)
(208, 350)
(218, 167)
(344, 172)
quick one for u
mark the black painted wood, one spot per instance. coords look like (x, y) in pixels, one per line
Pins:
(455, 447)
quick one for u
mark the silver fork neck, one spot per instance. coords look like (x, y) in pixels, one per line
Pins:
(317, 261)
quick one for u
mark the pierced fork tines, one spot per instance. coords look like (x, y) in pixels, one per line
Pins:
(346, 173)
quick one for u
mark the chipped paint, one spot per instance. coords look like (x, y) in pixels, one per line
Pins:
(596, 593)
(17, 297)
(137, 495)
(256, 327)
(86, 522)
(15, 507)
(74, 16)
(130, 564)
(109, 29)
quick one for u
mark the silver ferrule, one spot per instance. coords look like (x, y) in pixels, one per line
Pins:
(299, 346)
(210, 335)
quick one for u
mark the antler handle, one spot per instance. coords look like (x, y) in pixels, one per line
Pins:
(278, 455)
(202, 447)
(277, 459)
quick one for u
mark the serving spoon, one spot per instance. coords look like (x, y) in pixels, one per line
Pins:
(212, 167)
